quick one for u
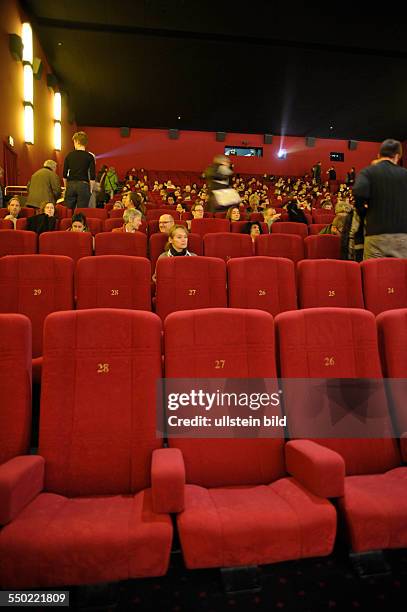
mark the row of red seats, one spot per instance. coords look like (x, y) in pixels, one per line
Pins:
(224, 245)
(94, 505)
(36, 285)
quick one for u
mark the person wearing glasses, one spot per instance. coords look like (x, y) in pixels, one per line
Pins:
(165, 223)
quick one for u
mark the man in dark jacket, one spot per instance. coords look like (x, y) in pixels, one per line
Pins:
(44, 185)
(380, 192)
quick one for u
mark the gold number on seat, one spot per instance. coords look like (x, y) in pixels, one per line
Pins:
(37, 291)
(329, 361)
(390, 289)
(219, 364)
(103, 368)
(331, 293)
(114, 292)
(192, 292)
(262, 292)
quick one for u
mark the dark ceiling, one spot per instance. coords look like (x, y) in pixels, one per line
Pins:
(258, 69)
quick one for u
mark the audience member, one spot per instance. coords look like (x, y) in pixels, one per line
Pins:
(44, 185)
(132, 220)
(45, 221)
(14, 209)
(165, 223)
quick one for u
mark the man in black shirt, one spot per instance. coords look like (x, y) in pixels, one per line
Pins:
(79, 173)
(380, 193)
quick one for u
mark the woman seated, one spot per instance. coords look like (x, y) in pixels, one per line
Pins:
(134, 200)
(79, 223)
(177, 245)
(336, 227)
(197, 211)
(45, 221)
(253, 228)
(14, 209)
(233, 213)
(132, 220)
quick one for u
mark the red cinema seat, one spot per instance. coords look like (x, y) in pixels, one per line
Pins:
(289, 246)
(315, 228)
(323, 217)
(7, 225)
(392, 329)
(155, 213)
(15, 385)
(240, 508)
(329, 282)
(227, 245)
(83, 509)
(36, 285)
(288, 227)
(158, 241)
(323, 246)
(237, 227)
(92, 213)
(209, 226)
(26, 211)
(384, 283)
(95, 225)
(116, 213)
(72, 244)
(61, 211)
(188, 283)
(17, 242)
(153, 226)
(351, 421)
(121, 243)
(113, 281)
(266, 283)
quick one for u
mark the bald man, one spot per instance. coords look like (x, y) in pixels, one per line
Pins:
(165, 223)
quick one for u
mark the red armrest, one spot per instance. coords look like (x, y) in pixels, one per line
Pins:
(403, 446)
(319, 469)
(21, 479)
(167, 480)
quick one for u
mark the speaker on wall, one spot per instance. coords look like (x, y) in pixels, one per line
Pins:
(310, 141)
(124, 132)
(352, 145)
(268, 139)
(15, 45)
(38, 67)
(220, 136)
(173, 134)
(52, 80)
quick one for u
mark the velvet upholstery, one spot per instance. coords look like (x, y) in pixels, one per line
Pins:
(227, 245)
(324, 282)
(17, 242)
(72, 244)
(265, 283)
(322, 246)
(280, 245)
(121, 243)
(289, 227)
(384, 284)
(209, 226)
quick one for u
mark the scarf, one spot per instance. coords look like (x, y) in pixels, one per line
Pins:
(173, 253)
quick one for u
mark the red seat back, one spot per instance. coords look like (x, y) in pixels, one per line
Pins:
(323, 246)
(384, 284)
(121, 243)
(93, 213)
(71, 244)
(328, 282)
(95, 225)
(17, 242)
(227, 245)
(206, 226)
(288, 227)
(289, 246)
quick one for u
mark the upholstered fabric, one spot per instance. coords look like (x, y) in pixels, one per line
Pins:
(228, 527)
(167, 480)
(280, 245)
(209, 226)
(323, 282)
(113, 281)
(266, 283)
(188, 283)
(95, 225)
(60, 541)
(227, 245)
(288, 227)
(15, 385)
(17, 242)
(375, 507)
(71, 244)
(118, 243)
(21, 480)
(323, 246)
(384, 284)
(36, 285)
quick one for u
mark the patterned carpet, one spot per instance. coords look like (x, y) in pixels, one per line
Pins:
(313, 585)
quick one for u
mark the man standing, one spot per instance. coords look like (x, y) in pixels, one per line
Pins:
(316, 173)
(79, 173)
(380, 193)
(44, 185)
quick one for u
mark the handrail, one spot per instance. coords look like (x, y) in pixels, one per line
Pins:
(16, 189)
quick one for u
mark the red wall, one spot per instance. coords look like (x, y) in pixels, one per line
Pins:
(152, 149)
(30, 157)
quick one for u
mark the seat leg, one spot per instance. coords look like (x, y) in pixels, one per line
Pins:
(241, 579)
(370, 563)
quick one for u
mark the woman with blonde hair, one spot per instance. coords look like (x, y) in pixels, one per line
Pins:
(177, 245)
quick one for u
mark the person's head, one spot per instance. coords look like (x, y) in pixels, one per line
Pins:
(254, 229)
(338, 225)
(165, 223)
(47, 208)
(179, 208)
(133, 199)
(268, 213)
(197, 210)
(51, 164)
(254, 201)
(177, 238)
(79, 223)
(171, 199)
(342, 207)
(132, 219)
(118, 205)
(80, 140)
(233, 214)
(392, 149)
(14, 207)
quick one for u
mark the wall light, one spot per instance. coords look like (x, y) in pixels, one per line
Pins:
(282, 154)
(57, 136)
(27, 36)
(28, 84)
(57, 106)
(28, 124)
